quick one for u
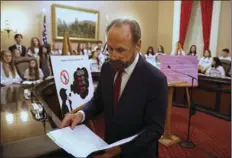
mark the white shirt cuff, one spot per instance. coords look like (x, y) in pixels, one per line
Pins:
(83, 115)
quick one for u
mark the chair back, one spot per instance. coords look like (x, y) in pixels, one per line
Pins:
(21, 64)
(226, 64)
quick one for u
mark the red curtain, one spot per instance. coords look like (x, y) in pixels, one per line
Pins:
(185, 13)
(206, 12)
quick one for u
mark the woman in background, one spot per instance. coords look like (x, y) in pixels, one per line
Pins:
(193, 52)
(150, 56)
(205, 62)
(15, 53)
(160, 50)
(79, 50)
(216, 70)
(55, 49)
(44, 60)
(95, 65)
(33, 50)
(178, 50)
(33, 73)
(9, 74)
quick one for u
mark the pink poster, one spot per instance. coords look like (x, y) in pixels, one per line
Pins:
(180, 68)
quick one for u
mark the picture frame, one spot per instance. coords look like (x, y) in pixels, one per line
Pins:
(81, 24)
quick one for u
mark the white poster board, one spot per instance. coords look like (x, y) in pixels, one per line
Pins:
(73, 81)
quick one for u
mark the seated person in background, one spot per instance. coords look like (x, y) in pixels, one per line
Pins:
(205, 62)
(88, 50)
(150, 56)
(216, 70)
(55, 49)
(99, 45)
(102, 57)
(160, 50)
(79, 50)
(193, 52)
(44, 60)
(22, 49)
(33, 73)
(225, 55)
(95, 65)
(15, 53)
(9, 74)
(33, 50)
(178, 50)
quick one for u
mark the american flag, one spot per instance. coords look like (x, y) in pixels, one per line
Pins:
(44, 31)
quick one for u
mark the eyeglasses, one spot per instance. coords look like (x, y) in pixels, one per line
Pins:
(106, 50)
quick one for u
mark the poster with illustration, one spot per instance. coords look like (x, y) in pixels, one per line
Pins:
(73, 81)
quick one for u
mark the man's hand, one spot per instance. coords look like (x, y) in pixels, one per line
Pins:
(71, 120)
(111, 152)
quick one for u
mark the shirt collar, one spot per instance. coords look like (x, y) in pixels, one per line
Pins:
(130, 68)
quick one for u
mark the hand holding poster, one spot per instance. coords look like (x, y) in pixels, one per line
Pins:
(179, 68)
(73, 81)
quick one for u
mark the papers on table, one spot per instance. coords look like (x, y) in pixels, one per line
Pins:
(81, 141)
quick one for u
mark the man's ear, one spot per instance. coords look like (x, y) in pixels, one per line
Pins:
(138, 45)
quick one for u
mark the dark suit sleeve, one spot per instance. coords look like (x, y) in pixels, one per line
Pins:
(95, 106)
(155, 114)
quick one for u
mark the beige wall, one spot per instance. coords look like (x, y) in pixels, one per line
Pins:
(165, 24)
(224, 32)
(27, 17)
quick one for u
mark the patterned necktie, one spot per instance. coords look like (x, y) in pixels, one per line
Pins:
(117, 87)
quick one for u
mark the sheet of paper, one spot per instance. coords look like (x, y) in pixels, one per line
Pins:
(175, 66)
(81, 141)
(123, 141)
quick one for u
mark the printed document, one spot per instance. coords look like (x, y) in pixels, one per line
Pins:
(81, 141)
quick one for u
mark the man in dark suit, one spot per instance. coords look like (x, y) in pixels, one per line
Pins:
(132, 93)
(22, 49)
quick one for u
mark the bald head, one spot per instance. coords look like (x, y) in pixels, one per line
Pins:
(128, 26)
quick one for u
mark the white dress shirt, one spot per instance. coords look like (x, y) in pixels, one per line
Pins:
(19, 47)
(125, 77)
(225, 58)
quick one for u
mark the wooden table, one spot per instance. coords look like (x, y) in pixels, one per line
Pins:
(168, 139)
(22, 135)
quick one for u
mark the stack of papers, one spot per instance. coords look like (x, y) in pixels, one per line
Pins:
(81, 141)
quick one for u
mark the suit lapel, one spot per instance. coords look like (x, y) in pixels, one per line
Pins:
(109, 92)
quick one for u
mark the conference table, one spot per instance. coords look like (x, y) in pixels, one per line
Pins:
(21, 134)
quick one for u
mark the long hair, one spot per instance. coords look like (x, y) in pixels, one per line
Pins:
(209, 53)
(43, 56)
(98, 60)
(79, 49)
(34, 73)
(12, 66)
(32, 44)
(162, 49)
(190, 50)
(217, 62)
(152, 52)
(178, 47)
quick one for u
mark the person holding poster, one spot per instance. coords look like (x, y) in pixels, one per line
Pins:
(178, 50)
(132, 93)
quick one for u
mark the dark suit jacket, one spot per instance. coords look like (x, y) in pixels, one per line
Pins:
(23, 53)
(141, 108)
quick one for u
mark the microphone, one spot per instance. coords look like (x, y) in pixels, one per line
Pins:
(181, 72)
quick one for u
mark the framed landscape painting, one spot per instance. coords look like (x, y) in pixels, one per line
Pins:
(81, 24)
